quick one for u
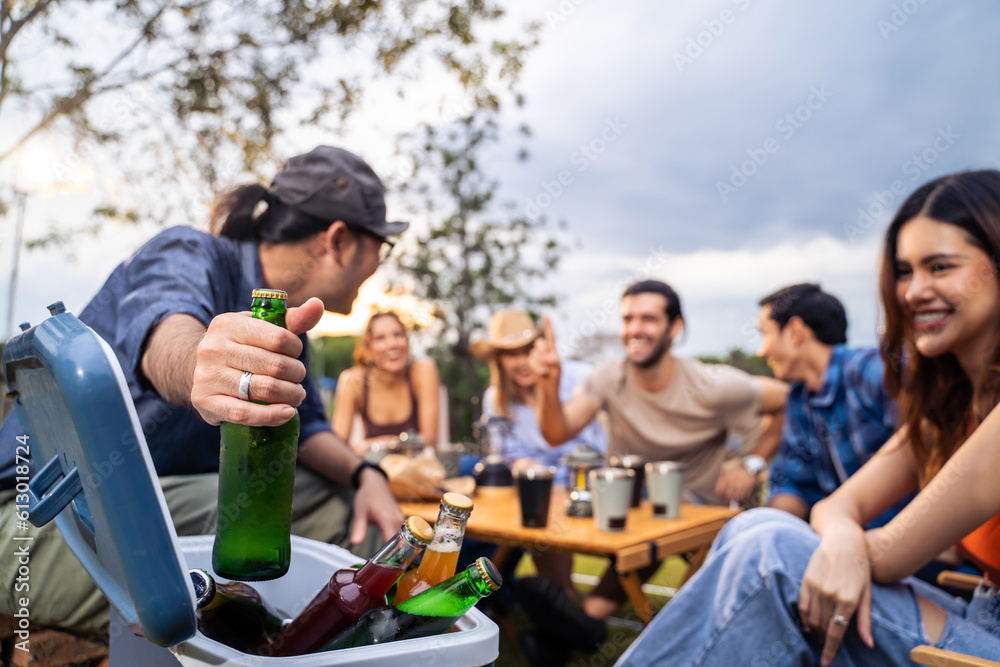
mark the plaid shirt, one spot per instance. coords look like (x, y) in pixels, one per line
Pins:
(829, 435)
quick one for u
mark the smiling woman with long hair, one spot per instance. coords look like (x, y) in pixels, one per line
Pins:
(776, 591)
(390, 392)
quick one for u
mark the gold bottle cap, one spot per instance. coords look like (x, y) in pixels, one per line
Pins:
(489, 573)
(420, 529)
(457, 500)
(269, 294)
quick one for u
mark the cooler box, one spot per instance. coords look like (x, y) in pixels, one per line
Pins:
(91, 458)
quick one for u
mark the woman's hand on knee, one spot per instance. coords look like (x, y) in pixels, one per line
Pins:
(836, 587)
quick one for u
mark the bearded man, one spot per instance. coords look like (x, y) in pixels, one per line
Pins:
(664, 408)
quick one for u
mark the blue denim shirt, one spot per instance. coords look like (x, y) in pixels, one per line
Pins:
(829, 435)
(522, 436)
(180, 270)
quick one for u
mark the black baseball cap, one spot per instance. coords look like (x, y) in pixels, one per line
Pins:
(333, 184)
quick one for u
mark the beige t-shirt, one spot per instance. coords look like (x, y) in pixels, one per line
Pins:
(687, 422)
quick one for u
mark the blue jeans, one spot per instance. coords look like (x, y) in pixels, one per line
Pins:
(741, 608)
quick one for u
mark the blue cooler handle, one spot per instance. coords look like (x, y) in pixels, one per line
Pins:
(46, 498)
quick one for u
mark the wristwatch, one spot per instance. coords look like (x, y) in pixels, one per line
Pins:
(754, 464)
(356, 475)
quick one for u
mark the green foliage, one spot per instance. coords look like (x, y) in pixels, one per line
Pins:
(60, 238)
(112, 213)
(465, 391)
(198, 92)
(333, 356)
(737, 357)
(476, 256)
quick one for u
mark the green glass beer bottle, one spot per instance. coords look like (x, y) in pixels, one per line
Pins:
(429, 613)
(256, 477)
(234, 613)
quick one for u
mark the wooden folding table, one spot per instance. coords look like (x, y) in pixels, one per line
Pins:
(497, 518)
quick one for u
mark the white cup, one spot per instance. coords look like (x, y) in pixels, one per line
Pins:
(665, 481)
(612, 490)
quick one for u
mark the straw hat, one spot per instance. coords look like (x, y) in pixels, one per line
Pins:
(508, 330)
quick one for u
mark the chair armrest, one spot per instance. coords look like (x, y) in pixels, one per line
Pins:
(963, 582)
(936, 657)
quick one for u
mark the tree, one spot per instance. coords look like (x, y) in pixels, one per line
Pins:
(739, 358)
(475, 256)
(199, 91)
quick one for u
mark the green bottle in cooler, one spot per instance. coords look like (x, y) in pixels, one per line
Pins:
(256, 477)
(429, 613)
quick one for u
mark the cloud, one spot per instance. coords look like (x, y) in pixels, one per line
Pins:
(752, 80)
(719, 289)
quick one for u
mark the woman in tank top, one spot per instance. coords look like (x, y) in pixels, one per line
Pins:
(391, 393)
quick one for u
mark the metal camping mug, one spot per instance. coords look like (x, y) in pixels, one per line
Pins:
(665, 480)
(612, 489)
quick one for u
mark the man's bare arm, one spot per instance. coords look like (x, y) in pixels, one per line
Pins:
(774, 393)
(558, 423)
(770, 435)
(374, 501)
(791, 504)
(169, 360)
(201, 368)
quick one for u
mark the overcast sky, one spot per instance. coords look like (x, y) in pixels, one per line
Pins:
(728, 147)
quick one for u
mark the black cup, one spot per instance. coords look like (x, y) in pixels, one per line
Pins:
(636, 463)
(534, 491)
(492, 471)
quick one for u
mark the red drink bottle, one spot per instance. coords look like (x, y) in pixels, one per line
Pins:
(428, 613)
(351, 592)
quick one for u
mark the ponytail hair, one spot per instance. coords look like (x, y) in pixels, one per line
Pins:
(252, 213)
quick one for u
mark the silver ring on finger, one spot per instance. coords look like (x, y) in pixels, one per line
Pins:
(244, 389)
(840, 620)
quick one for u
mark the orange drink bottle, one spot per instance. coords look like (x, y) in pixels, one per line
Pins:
(441, 555)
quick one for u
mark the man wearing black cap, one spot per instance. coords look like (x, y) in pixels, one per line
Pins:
(174, 313)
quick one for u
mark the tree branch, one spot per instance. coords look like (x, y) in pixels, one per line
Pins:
(17, 24)
(143, 36)
(3, 80)
(66, 105)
